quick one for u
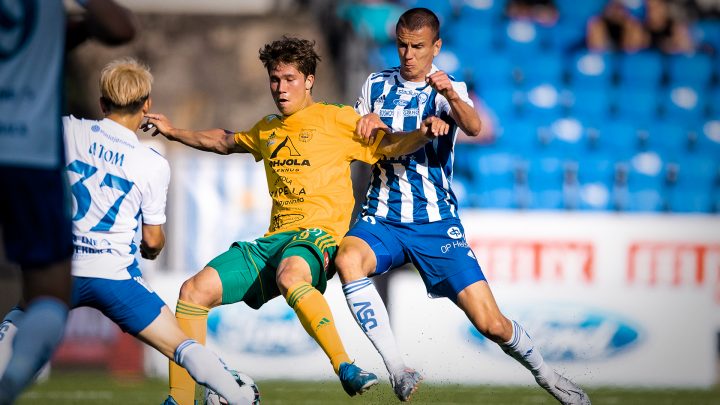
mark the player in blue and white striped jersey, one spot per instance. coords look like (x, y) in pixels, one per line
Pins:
(411, 212)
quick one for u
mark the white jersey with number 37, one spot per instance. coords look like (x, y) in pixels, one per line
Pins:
(116, 182)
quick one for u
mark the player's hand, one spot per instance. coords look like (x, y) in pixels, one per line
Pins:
(434, 127)
(147, 253)
(160, 123)
(441, 83)
(368, 126)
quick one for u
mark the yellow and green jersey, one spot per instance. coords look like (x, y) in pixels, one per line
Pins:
(307, 160)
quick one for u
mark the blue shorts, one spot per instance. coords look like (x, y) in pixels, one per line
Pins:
(35, 216)
(437, 249)
(130, 303)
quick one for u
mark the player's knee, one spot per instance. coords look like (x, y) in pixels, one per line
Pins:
(290, 273)
(197, 293)
(349, 266)
(496, 329)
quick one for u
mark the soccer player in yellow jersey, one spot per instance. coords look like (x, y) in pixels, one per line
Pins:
(307, 150)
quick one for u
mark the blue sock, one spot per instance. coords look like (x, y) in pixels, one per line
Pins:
(39, 332)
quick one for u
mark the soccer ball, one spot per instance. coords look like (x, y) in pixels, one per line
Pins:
(247, 386)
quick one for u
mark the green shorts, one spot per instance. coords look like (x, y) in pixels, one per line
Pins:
(247, 270)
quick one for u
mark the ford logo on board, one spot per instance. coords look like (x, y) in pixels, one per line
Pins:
(572, 333)
(272, 330)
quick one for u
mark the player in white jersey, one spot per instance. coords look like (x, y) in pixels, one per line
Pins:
(411, 213)
(119, 186)
(34, 220)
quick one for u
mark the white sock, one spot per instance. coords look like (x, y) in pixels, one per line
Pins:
(521, 348)
(370, 313)
(39, 332)
(207, 369)
(8, 329)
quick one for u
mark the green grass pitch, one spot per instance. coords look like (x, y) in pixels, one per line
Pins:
(81, 388)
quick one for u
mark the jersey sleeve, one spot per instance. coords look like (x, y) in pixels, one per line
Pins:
(155, 195)
(362, 105)
(346, 119)
(461, 89)
(249, 141)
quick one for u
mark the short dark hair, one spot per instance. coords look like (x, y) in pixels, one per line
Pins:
(292, 51)
(417, 18)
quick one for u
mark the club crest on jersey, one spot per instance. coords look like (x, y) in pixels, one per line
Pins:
(306, 135)
(422, 98)
(454, 232)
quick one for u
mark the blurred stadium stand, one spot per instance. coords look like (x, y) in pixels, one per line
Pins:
(578, 130)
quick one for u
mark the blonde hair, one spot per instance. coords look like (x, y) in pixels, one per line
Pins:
(125, 84)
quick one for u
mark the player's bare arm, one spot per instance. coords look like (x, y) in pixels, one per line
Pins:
(463, 113)
(153, 241)
(368, 126)
(403, 143)
(216, 140)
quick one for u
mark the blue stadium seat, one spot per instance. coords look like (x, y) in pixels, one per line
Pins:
(643, 69)
(667, 138)
(544, 68)
(683, 103)
(638, 104)
(496, 181)
(470, 36)
(689, 201)
(592, 69)
(579, 11)
(567, 36)
(596, 175)
(545, 180)
(521, 39)
(646, 182)
(619, 138)
(694, 70)
(706, 35)
(542, 103)
(713, 102)
(490, 70)
(518, 136)
(590, 104)
(484, 11)
(385, 56)
(707, 138)
(443, 9)
(505, 101)
(568, 138)
(449, 61)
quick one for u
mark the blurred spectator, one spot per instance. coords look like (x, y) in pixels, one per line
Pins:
(663, 30)
(615, 29)
(540, 11)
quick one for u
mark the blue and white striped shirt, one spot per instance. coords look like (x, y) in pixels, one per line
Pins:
(413, 188)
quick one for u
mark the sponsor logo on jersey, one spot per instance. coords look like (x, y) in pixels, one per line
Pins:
(384, 113)
(566, 333)
(400, 102)
(271, 140)
(406, 92)
(287, 148)
(281, 220)
(453, 245)
(454, 232)
(411, 112)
